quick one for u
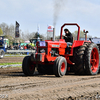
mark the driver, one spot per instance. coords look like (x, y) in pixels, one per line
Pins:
(68, 37)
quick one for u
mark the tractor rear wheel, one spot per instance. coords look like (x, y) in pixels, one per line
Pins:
(60, 66)
(92, 59)
(27, 66)
(78, 59)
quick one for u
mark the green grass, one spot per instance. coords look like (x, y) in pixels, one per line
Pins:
(16, 56)
(10, 63)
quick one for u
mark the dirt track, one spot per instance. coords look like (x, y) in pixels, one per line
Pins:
(11, 59)
(15, 86)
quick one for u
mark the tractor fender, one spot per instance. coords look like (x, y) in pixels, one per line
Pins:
(77, 43)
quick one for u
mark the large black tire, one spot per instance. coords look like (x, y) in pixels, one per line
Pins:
(78, 59)
(92, 59)
(45, 69)
(41, 69)
(2, 54)
(27, 66)
(60, 66)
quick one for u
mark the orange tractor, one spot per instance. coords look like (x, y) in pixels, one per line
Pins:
(51, 57)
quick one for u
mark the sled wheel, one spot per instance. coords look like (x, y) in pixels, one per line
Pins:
(2, 53)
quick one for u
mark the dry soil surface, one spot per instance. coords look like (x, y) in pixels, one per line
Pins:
(11, 59)
(15, 86)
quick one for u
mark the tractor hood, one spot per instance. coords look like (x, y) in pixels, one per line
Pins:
(56, 44)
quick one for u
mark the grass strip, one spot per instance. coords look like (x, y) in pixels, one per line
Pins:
(16, 56)
(10, 63)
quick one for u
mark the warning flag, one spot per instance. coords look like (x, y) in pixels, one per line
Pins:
(17, 30)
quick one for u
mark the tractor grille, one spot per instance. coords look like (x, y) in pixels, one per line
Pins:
(42, 50)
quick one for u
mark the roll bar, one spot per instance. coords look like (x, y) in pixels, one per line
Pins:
(78, 35)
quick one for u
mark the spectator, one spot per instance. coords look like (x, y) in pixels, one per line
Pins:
(19, 47)
(25, 47)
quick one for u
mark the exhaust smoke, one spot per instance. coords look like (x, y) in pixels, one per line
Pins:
(58, 6)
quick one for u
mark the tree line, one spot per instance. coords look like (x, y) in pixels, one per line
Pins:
(9, 32)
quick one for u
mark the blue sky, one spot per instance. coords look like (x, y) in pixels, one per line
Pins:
(30, 13)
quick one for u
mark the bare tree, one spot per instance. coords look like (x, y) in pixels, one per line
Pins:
(4, 27)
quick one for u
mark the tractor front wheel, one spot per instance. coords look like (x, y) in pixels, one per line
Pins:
(60, 66)
(27, 66)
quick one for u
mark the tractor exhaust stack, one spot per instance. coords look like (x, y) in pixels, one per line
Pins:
(53, 34)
